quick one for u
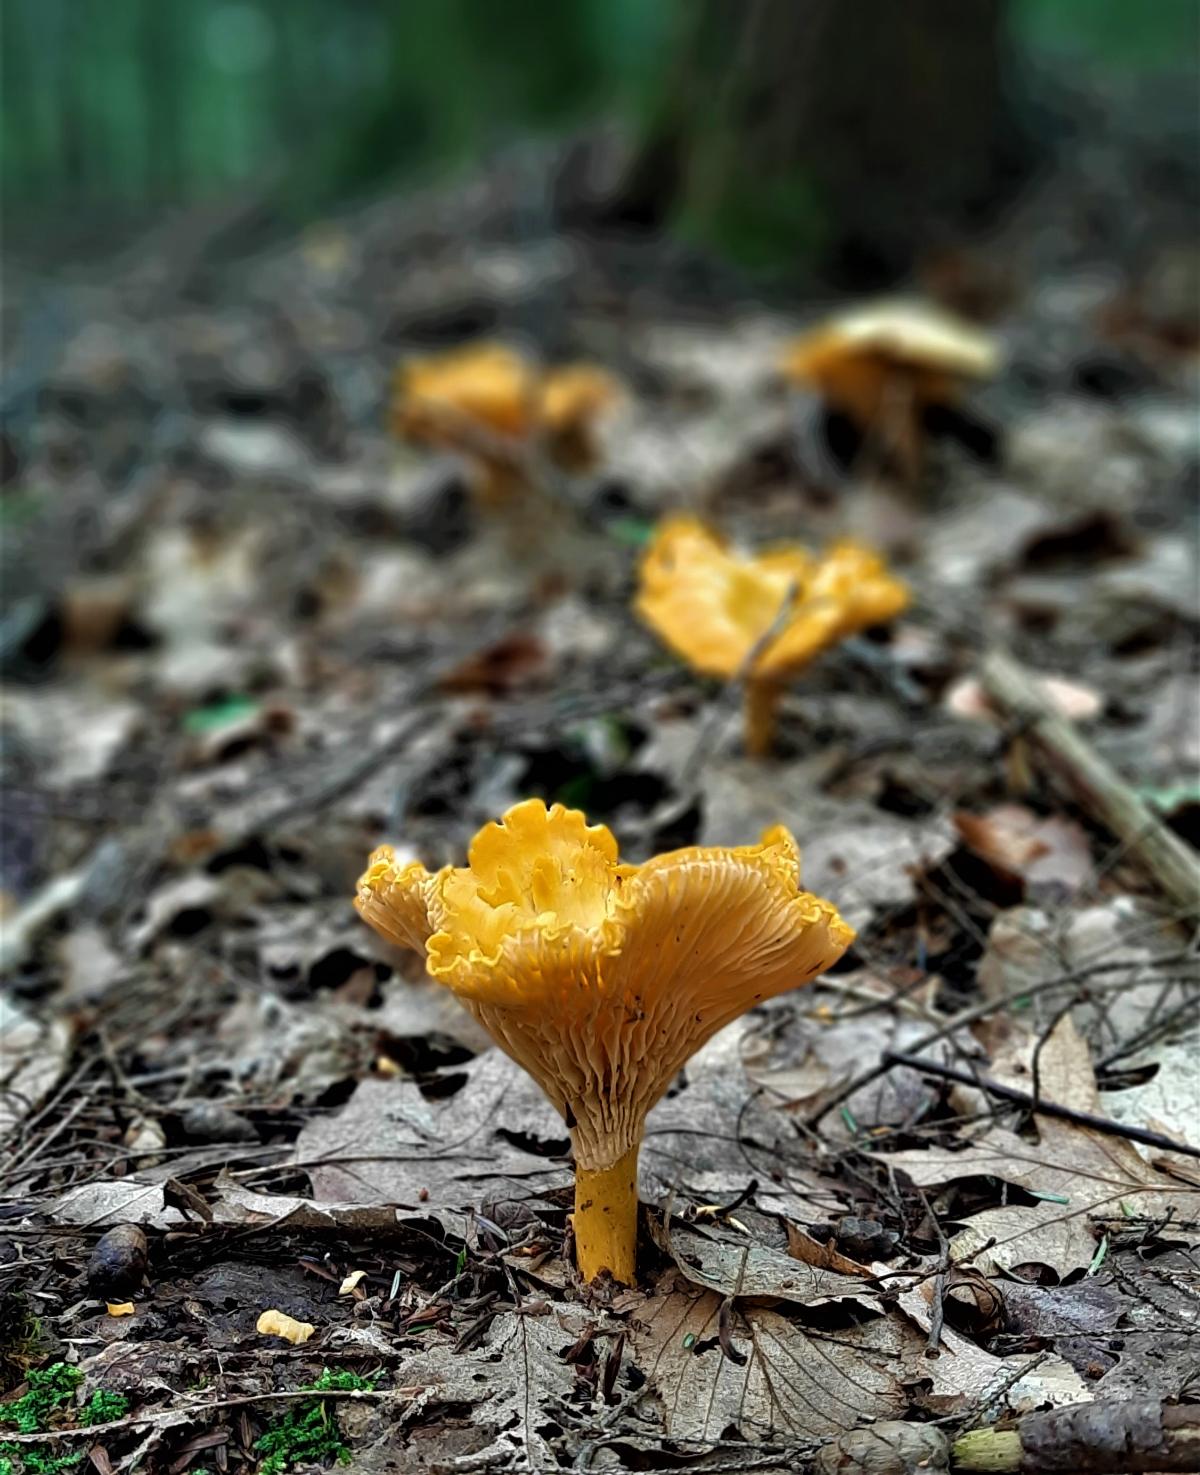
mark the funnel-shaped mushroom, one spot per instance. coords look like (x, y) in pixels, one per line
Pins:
(485, 385)
(760, 618)
(601, 979)
(481, 400)
(885, 365)
(490, 402)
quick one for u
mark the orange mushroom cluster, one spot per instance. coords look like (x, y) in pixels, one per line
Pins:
(493, 403)
(761, 618)
(601, 978)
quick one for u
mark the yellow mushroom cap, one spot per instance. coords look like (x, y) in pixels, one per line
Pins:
(602, 978)
(713, 605)
(575, 395)
(484, 384)
(912, 334)
(851, 358)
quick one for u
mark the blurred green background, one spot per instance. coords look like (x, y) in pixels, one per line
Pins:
(127, 105)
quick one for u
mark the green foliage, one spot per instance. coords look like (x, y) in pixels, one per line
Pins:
(49, 1389)
(765, 224)
(103, 1407)
(220, 714)
(1115, 34)
(309, 1430)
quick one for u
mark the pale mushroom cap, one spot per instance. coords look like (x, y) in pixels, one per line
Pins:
(908, 333)
(600, 978)
(713, 605)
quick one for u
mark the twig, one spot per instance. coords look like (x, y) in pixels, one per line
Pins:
(1146, 837)
(1041, 1106)
(980, 1011)
(169, 1416)
(1137, 1434)
(937, 1312)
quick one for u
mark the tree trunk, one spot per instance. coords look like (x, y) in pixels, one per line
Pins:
(848, 134)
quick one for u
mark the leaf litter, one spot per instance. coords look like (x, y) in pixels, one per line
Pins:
(308, 649)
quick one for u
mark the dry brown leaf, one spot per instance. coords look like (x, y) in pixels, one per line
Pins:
(715, 1367)
(738, 1266)
(1039, 850)
(802, 1246)
(1085, 1174)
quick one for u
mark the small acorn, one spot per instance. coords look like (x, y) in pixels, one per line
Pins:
(117, 1268)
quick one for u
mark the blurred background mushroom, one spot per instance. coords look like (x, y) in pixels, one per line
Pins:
(759, 619)
(887, 366)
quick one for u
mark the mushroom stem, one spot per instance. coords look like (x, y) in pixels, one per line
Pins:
(760, 705)
(606, 1205)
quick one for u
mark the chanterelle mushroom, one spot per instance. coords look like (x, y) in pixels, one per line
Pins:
(492, 403)
(484, 384)
(600, 978)
(883, 365)
(715, 607)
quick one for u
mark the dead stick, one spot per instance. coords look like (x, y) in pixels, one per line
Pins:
(975, 1012)
(1040, 1106)
(1124, 1438)
(1096, 784)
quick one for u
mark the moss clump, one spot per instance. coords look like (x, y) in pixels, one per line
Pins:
(50, 1390)
(309, 1431)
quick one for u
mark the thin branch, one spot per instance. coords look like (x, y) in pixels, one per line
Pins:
(979, 1011)
(1041, 1106)
(1147, 838)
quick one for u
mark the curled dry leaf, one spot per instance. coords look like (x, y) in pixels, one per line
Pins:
(280, 1324)
(1041, 851)
(804, 1247)
(119, 1308)
(348, 1285)
(741, 1267)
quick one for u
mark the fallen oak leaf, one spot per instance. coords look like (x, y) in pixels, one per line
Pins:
(1077, 1173)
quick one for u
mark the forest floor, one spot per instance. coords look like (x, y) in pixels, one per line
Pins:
(248, 636)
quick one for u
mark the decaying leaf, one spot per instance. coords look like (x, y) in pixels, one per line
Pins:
(495, 1138)
(32, 1058)
(1050, 851)
(739, 1266)
(796, 1381)
(1080, 1175)
(510, 1371)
